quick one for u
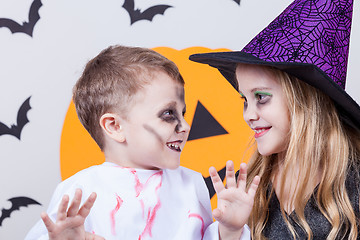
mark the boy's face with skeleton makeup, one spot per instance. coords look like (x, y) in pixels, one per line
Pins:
(155, 128)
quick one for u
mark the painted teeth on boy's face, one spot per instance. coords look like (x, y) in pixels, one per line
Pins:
(174, 146)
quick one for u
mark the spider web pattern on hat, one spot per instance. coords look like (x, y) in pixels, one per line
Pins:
(314, 32)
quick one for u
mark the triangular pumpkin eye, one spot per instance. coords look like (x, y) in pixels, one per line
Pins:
(204, 124)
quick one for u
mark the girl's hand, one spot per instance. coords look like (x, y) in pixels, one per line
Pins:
(234, 203)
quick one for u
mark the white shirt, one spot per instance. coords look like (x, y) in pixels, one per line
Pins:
(140, 204)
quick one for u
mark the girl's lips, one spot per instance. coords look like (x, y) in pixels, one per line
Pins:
(259, 132)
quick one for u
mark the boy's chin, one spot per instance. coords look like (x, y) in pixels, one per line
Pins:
(173, 166)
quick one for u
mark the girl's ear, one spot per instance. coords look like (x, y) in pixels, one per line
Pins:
(111, 124)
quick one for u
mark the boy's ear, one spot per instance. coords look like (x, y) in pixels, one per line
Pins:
(111, 124)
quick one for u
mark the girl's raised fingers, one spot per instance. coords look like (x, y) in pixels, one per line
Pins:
(242, 176)
(253, 187)
(230, 175)
(216, 180)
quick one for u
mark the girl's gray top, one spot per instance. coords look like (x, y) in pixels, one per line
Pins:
(276, 227)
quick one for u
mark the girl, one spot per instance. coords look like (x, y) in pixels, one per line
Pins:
(306, 126)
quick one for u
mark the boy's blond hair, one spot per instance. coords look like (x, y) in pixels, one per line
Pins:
(111, 79)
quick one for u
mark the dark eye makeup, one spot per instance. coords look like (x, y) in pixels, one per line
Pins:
(169, 115)
(262, 97)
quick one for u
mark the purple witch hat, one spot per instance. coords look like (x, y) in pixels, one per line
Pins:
(309, 40)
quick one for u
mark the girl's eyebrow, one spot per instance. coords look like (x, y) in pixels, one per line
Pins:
(263, 93)
(257, 90)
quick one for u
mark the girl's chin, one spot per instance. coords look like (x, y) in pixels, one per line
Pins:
(264, 152)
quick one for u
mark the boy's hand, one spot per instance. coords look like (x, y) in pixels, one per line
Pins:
(234, 203)
(70, 222)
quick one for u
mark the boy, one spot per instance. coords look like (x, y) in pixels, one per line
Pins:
(131, 101)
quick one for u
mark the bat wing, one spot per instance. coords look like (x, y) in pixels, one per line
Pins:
(10, 24)
(26, 27)
(33, 17)
(22, 119)
(4, 129)
(129, 6)
(16, 202)
(150, 13)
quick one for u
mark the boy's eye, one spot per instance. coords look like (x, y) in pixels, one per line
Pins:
(168, 115)
(168, 112)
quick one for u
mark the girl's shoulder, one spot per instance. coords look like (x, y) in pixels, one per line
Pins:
(352, 185)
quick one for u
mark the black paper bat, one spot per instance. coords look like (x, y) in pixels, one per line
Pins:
(16, 202)
(21, 121)
(25, 27)
(209, 182)
(148, 14)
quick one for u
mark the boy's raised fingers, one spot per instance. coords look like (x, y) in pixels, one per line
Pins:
(86, 207)
(75, 204)
(230, 175)
(216, 180)
(47, 221)
(61, 214)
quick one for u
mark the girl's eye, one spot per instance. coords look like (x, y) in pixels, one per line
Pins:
(262, 97)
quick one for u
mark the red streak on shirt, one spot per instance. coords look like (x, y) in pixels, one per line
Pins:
(202, 222)
(139, 188)
(113, 212)
(152, 211)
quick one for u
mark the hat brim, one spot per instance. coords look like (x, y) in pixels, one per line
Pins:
(226, 63)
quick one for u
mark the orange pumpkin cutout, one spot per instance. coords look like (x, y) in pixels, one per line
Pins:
(203, 85)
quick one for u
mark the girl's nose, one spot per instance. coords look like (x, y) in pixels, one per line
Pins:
(250, 114)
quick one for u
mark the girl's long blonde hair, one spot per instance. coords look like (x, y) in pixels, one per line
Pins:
(319, 143)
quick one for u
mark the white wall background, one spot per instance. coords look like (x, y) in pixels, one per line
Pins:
(69, 33)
